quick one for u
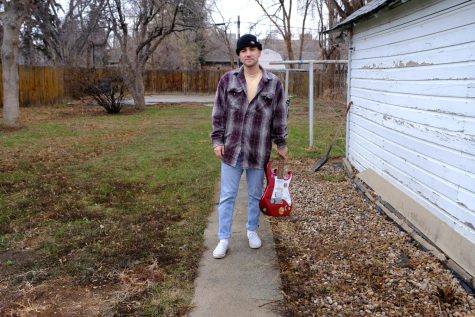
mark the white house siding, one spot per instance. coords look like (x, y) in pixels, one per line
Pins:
(412, 83)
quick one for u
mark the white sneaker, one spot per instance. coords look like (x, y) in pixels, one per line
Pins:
(254, 240)
(221, 249)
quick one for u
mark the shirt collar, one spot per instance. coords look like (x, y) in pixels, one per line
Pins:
(265, 74)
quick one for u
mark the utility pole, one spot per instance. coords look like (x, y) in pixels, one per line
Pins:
(238, 36)
(93, 56)
(239, 26)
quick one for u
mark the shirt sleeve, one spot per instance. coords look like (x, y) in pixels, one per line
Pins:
(218, 117)
(279, 120)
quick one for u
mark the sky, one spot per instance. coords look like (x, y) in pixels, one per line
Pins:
(250, 13)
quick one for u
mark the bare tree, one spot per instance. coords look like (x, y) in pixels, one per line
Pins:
(12, 16)
(324, 40)
(306, 5)
(222, 30)
(336, 9)
(345, 7)
(178, 51)
(72, 39)
(330, 42)
(140, 26)
(279, 14)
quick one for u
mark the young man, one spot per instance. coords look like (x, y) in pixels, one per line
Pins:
(248, 114)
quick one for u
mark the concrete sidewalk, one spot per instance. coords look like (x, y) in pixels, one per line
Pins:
(247, 281)
(173, 98)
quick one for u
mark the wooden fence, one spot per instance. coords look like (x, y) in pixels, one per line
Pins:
(49, 85)
(39, 85)
(328, 81)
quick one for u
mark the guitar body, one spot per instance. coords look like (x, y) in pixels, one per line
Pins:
(276, 201)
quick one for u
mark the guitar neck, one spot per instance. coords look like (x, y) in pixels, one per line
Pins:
(280, 169)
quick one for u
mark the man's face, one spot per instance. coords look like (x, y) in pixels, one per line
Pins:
(249, 56)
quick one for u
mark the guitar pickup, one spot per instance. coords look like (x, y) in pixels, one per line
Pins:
(276, 201)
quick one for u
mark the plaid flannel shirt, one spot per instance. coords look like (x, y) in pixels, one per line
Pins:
(248, 129)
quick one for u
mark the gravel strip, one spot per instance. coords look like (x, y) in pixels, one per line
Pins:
(340, 256)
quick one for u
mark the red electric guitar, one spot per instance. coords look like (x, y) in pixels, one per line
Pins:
(276, 201)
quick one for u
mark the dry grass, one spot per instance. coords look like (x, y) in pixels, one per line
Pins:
(103, 215)
(107, 209)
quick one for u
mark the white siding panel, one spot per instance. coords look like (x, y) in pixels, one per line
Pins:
(456, 141)
(430, 72)
(445, 172)
(433, 41)
(400, 172)
(444, 155)
(465, 195)
(412, 83)
(449, 105)
(443, 179)
(442, 55)
(424, 21)
(434, 119)
(470, 127)
(358, 161)
(436, 88)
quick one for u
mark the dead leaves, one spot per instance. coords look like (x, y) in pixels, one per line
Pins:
(339, 256)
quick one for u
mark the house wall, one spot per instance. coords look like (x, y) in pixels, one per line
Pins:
(412, 84)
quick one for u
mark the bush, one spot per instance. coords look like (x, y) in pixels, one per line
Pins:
(106, 89)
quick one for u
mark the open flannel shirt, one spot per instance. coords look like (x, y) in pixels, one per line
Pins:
(248, 129)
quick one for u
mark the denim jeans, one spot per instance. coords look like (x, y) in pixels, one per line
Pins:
(230, 178)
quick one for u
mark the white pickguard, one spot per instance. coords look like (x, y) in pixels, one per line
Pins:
(281, 192)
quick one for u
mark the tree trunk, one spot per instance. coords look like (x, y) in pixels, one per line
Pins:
(139, 93)
(302, 35)
(10, 77)
(290, 50)
(133, 79)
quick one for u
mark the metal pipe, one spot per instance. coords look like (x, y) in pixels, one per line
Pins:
(286, 83)
(310, 102)
(317, 61)
(310, 90)
(348, 100)
(296, 70)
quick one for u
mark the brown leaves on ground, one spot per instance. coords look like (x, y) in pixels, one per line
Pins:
(78, 245)
(64, 297)
(339, 256)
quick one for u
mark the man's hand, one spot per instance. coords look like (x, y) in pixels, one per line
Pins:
(219, 151)
(283, 153)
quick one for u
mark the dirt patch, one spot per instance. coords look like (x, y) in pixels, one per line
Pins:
(56, 298)
(65, 297)
(339, 256)
(10, 129)
(13, 260)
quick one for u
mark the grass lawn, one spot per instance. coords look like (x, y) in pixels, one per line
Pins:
(105, 214)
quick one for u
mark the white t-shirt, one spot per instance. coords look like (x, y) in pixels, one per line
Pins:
(252, 81)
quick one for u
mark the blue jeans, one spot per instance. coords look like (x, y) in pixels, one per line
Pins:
(230, 178)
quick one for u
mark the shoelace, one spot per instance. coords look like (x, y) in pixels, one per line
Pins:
(252, 235)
